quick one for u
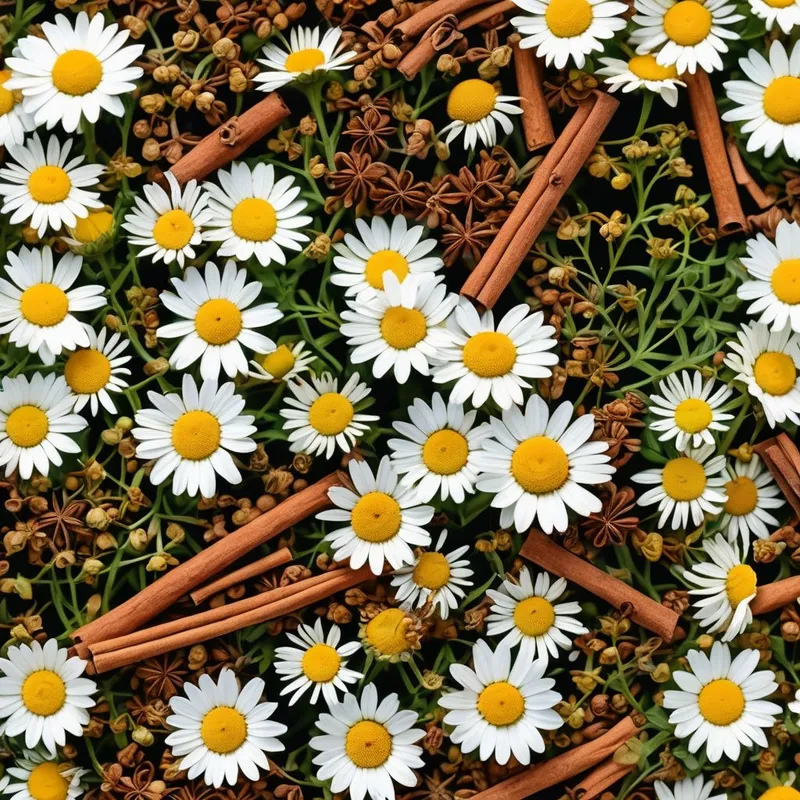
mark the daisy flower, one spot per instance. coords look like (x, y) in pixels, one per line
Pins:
(252, 214)
(794, 705)
(168, 226)
(726, 589)
(438, 452)
(767, 362)
(534, 466)
(686, 33)
(642, 72)
(487, 360)
(720, 703)
(476, 109)
(434, 577)
(383, 519)
(502, 707)
(689, 408)
(217, 320)
(366, 745)
(399, 328)
(37, 306)
(317, 660)
(527, 613)
(35, 420)
(43, 695)
(687, 789)
(362, 260)
(309, 51)
(190, 436)
(567, 29)
(769, 101)
(687, 486)
(221, 730)
(15, 122)
(785, 12)
(47, 188)
(282, 364)
(391, 635)
(94, 371)
(320, 416)
(90, 229)
(38, 776)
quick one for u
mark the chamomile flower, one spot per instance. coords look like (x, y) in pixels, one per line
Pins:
(720, 703)
(391, 635)
(435, 577)
(687, 789)
(309, 51)
(253, 214)
(39, 303)
(36, 421)
(317, 661)
(168, 226)
(190, 435)
(15, 122)
(366, 745)
(43, 695)
(39, 776)
(535, 464)
(642, 72)
(47, 188)
(475, 110)
(528, 614)
(688, 486)
(561, 30)
(93, 372)
(485, 359)
(689, 409)
(94, 227)
(768, 363)
(362, 260)
(218, 318)
(726, 586)
(400, 328)
(769, 101)
(222, 730)
(383, 519)
(502, 707)
(785, 12)
(320, 416)
(282, 364)
(794, 705)
(686, 33)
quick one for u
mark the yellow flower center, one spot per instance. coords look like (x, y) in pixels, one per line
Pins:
(386, 632)
(47, 783)
(254, 219)
(785, 279)
(742, 496)
(368, 744)
(173, 229)
(534, 616)
(687, 23)
(721, 702)
(385, 261)
(7, 99)
(471, 101)
(44, 304)
(693, 415)
(540, 465)
(501, 703)
(49, 184)
(780, 792)
(77, 72)
(782, 100)
(489, 354)
(648, 69)
(445, 452)
(567, 18)
(44, 692)
(330, 414)
(740, 584)
(279, 362)
(376, 517)
(305, 60)
(27, 426)
(91, 228)
(403, 328)
(218, 321)
(196, 435)
(775, 373)
(321, 663)
(223, 729)
(432, 571)
(683, 479)
(87, 371)
(780, 3)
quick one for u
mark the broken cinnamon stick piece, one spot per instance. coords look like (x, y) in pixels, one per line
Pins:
(776, 595)
(545, 553)
(600, 778)
(744, 178)
(536, 122)
(784, 472)
(429, 15)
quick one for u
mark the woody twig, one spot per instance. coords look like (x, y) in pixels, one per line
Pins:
(744, 178)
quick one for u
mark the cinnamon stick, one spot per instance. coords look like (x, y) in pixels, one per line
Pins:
(744, 178)
(785, 474)
(730, 216)
(555, 771)
(545, 553)
(259, 567)
(536, 122)
(776, 595)
(600, 778)
(429, 15)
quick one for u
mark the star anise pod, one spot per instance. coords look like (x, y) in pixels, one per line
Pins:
(369, 132)
(198, 790)
(614, 521)
(62, 522)
(467, 240)
(163, 677)
(151, 715)
(352, 180)
(397, 193)
(137, 786)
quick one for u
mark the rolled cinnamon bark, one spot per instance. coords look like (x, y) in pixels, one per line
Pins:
(536, 122)
(430, 15)
(600, 778)
(783, 460)
(776, 595)
(744, 178)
